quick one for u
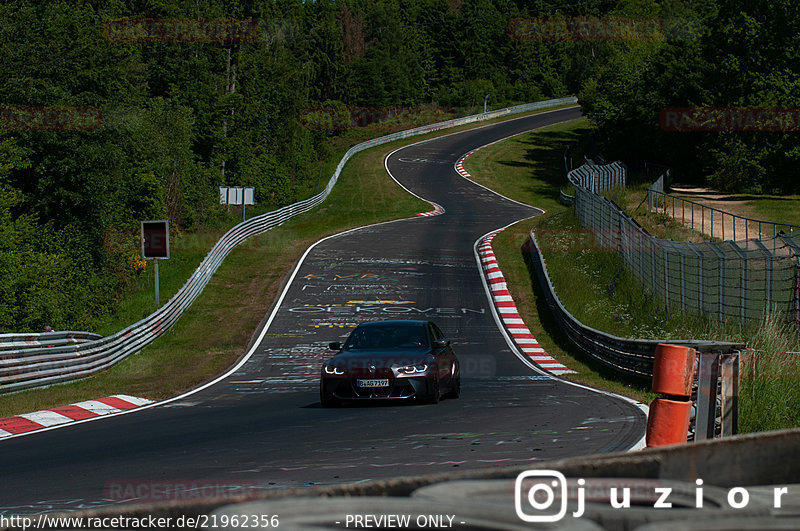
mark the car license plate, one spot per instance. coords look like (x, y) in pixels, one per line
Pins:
(372, 383)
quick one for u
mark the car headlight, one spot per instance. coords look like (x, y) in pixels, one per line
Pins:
(413, 369)
(333, 370)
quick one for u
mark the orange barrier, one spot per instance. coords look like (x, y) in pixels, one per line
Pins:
(673, 370)
(668, 422)
(673, 374)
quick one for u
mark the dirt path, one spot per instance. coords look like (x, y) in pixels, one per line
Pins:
(716, 224)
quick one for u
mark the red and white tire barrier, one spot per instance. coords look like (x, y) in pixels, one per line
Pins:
(509, 314)
(64, 414)
(437, 209)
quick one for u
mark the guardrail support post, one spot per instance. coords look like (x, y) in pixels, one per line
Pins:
(707, 376)
(729, 392)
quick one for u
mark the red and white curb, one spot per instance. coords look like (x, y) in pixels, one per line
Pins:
(509, 314)
(64, 414)
(460, 163)
(437, 209)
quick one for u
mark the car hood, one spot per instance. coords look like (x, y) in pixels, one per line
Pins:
(381, 358)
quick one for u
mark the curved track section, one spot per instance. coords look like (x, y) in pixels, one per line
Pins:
(261, 426)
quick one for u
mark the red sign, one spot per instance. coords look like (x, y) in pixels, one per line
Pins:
(155, 239)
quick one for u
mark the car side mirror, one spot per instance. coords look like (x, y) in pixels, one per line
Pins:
(336, 345)
(441, 343)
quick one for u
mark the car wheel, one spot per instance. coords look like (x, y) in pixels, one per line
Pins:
(455, 391)
(455, 383)
(436, 396)
(327, 401)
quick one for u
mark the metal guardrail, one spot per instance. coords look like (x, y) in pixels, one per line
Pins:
(44, 339)
(26, 368)
(631, 357)
(704, 222)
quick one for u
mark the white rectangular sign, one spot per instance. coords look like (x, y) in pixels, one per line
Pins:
(235, 195)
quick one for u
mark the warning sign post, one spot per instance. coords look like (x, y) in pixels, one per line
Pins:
(155, 245)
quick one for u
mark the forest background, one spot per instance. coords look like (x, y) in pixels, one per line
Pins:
(148, 125)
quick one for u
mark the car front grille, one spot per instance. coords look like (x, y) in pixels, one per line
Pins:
(381, 373)
(347, 389)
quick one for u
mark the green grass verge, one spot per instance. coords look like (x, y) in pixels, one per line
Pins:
(777, 209)
(215, 330)
(769, 390)
(597, 289)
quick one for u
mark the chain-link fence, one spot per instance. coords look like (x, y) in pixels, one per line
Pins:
(713, 221)
(741, 280)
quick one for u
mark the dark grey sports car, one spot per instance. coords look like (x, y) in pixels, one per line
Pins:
(391, 360)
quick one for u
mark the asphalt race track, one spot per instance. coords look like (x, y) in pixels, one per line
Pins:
(262, 427)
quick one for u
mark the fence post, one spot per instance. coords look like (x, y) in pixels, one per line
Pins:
(653, 264)
(683, 212)
(742, 281)
(666, 275)
(796, 251)
(640, 242)
(721, 286)
(683, 279)
(769, 271)
(702, 219)
(701, 277)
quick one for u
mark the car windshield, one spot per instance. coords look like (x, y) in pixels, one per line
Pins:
(389, 336)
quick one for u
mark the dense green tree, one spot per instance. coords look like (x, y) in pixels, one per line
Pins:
(181, 116)
(724, 54)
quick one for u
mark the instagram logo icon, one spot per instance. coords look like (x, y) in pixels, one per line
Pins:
(535, 492)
